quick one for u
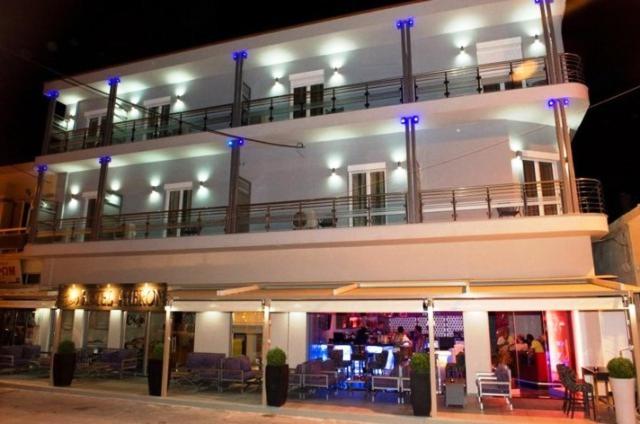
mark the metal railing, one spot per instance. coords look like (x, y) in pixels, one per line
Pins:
(428, 86)
(466, 203)
(13, 239)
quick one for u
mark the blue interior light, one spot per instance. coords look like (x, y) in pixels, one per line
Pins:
(399, 23)
(415, 119)
(113, 81)
(104, 159)
(551, 102)
(565, 101)
(403, 120)
(42, 168)
(410, 22)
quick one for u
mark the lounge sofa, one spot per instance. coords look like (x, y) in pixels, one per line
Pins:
(19, 357)
(237, 370)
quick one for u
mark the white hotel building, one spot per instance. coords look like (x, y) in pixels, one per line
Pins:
(405, 161)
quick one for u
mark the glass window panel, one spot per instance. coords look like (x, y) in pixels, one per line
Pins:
(317, 99)
(546, 174)
(529, 173)
(299, 102)
(97, 329)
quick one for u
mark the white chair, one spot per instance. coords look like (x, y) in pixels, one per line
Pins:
(495, 384)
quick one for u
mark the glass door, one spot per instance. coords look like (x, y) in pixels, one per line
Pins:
(135, 330)
(158, 120)
(178, 211)
(542, 193)
(367, 190)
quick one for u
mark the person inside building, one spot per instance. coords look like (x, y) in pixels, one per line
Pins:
(362, 335)
(402, 344)
(418, 339)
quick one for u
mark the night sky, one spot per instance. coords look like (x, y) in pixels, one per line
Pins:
(73, 36)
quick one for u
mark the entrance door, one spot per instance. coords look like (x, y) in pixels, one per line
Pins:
(367, 187)
(541, 190)
(178, 207)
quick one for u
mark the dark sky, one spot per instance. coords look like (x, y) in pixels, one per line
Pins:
(73, 36)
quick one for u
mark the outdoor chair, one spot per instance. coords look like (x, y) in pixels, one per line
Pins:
(201, 368)
(495, 384)
(238, 370)
(391, 382)
(317, 374)
(578, 394)
(379, 362)
(118, 361)
(19, 357)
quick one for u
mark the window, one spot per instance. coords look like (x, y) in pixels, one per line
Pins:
(542, 189)
(308, 93)
(178, 206)
(95, 126)
(158, 111)
(367, 188)
(97, 329)
(496, 51)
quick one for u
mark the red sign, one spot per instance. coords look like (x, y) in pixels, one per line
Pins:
(10, 272)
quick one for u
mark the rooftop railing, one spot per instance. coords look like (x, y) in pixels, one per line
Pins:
(502, 201)
(428, 86)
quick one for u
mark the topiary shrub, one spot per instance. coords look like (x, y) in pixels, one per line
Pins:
(420, 363)
(276, 357)
(157, 352)
(621, 368)
(66, 347)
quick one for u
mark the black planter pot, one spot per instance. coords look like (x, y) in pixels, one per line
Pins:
(277, 384)
(154, 376)
(64, 366)
(421, 394)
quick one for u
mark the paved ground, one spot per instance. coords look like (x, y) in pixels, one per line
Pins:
(21, 406)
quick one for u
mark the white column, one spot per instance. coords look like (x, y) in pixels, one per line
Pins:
(57, 316)
(431, 323)
(298, 348)
(114, 339)
(166, 351)
(78, 327)
(266, 345)
(213, 332)
(477, 348)
(43, 334)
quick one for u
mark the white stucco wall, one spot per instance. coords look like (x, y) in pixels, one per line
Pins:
(114, 339)
(476, 346)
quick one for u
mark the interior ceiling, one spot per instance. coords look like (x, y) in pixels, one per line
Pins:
(333, 38)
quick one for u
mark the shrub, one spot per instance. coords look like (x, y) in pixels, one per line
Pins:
(420, 363)
(621, 368)
(66, 347)
(276, 357)
(157, 352)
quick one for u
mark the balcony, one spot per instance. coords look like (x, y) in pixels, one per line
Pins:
(373, 94)
(504, 201)
(12, 239)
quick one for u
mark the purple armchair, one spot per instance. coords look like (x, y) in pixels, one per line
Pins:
(318, 374)
(19, 356)
(237, 370)
(201, 368)
(119, 361)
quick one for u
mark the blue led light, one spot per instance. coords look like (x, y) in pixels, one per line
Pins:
(403, 120)
(235, 142)
(565, 101)
(408, 119)
(230, 142)
(42, 168)
(551, 102)
(241, 142)
(399, 23)
(113, 81)
(52, 94)
(402, 22)
(415, 119)
(104, 159)
(240, 54)
(410, 22)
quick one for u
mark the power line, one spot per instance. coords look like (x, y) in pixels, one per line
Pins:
(607, 100)
(76, 83)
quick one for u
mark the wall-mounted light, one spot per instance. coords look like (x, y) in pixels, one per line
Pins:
(519, 154)
(155, 189)
(333, 172)
(536, 38)
(52, 94)
(235, 142)
(461, 49)
(336, 70)
(201, 183)
(240, 54)
(104, 160)
(407, 119)
(276, 80)
(399, 165)
(115, 80)
(179, 97)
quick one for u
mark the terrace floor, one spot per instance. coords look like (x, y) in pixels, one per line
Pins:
(355, 405)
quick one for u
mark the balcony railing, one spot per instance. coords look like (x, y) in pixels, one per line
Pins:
(467, 203)
(12, 239)
(428, 86)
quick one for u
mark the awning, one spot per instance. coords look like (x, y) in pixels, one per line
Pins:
(568, 293)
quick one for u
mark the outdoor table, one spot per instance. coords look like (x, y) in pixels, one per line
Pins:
(598, 374)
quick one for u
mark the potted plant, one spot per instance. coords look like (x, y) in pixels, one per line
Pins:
(420, 385)
(154, 369)
(622, 377)
(64, 363)
(277, 377)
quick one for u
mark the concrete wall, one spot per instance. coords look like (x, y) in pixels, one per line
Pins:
(213, 332)
(79, 327)
(430, 53)
(619, 252)
(43, 335)
(526, 257)
(447, 158)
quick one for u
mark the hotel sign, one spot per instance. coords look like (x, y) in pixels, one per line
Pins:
(10, 272)
(130, 297)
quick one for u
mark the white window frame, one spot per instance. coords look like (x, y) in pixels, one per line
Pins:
(306, 79)
(540, 200)
(367, 169)
(494, 51)
(168, 188)
(96, 113)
